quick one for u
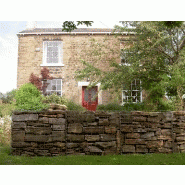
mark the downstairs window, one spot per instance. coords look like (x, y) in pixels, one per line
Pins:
(133, 94)
(54, 86)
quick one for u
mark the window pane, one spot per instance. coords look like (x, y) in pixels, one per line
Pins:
(58, 87)
(49, 81)
(138, 93)
(54, 87)
(86, 95)
(54, 82)
(48, 85)
(58, 81)
(55, 55)
(59, 93)
(53, 51)
(49, 50)
(93, 94)
(138, 82)
(133, 99)
(48, 93)
(50, 44)
(127, 93)
(129, 99)
(134, 93)
(138, 87)
(54, 60)
(134, 87)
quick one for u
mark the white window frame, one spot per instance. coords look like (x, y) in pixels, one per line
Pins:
(123, 94)
(56, 86)
(124, 63)
(60, 54)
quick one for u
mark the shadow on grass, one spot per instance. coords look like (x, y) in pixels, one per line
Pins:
(135, 159)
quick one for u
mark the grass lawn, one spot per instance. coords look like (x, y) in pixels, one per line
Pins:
(140, 159)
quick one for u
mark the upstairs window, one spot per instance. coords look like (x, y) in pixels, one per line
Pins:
(124, 60)
(133, 94)
(52, 53)
(54, 86)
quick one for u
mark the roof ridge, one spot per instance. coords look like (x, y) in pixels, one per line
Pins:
(60, 30)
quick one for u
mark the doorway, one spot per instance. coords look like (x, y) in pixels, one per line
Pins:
(90, 98)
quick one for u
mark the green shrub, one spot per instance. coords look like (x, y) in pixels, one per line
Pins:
(126, 107)
(28, 97)
(110, 107)
(170, 105)
(134, 107)
(73, 106)
(161, 105)
(54, 98)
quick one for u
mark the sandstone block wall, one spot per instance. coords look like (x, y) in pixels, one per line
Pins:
(57, 132)
(41, 134)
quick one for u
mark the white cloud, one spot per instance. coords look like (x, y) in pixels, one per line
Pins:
(49, 24)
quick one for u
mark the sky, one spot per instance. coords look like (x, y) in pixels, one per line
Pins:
(9, 47)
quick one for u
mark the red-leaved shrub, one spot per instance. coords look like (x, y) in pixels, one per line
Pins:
(41, 83)
(35, 80)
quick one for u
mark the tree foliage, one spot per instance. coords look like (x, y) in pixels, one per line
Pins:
(71, 25)
(155, 56)
(8, 97)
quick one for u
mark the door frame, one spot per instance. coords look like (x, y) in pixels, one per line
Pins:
(81, 84)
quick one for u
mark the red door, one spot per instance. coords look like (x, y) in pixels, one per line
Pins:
(89, 98)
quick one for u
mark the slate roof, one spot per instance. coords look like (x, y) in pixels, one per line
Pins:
(59, 30)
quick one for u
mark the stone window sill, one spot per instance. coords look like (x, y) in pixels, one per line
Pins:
(52, 65)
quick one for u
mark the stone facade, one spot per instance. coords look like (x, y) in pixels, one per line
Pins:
(60, 132)
(76, 46)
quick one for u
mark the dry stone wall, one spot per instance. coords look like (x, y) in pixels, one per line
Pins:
(59, 132)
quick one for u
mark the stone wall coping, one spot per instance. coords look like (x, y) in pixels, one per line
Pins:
(16, 112)
(27, 112)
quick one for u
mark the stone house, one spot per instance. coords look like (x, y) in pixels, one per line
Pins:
(61, 53)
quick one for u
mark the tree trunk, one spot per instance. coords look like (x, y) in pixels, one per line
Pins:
(44, 87)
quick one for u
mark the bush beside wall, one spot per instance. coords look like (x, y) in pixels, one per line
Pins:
(57, 132)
